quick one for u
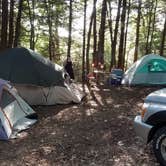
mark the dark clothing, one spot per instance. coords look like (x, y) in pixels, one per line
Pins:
(69, 69)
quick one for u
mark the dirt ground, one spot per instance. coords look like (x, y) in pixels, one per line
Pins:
(97, 132)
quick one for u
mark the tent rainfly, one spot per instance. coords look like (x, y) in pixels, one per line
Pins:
(149, 70)
(38, 80)
(15, 113)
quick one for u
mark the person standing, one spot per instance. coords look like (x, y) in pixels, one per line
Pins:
(69, 67)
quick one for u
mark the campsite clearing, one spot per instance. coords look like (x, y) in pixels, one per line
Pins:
(97, 132)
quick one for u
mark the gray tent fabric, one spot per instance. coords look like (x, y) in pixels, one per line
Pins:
(38, 80)
(148, 70)
(15, 114)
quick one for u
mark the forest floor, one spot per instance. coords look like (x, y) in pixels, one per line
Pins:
(97, 132)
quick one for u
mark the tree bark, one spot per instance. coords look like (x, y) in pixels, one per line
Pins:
(47, 5)
(113, 44)
(153, 27)
(32, 18)
(137, 31)
(102, 34)
(18, 24)
(163, 39)
(70, 28)
(149, 29)
(84, 39)
(126, 32)
(4, 28)
(56, 36)
(94, 35)
(121, 45)
(110, 20)
(11, 25)
(88, 42)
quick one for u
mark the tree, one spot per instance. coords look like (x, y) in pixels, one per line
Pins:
(88, 41)
(70, 28)
(149, 27)
(121, 45)
(153, 26)
(56, 35)
(48, 9)
(32, 19)
(11, 25)
(18, 23)
(163, 38)
(126, 32)
(114, 42)
(137, 30)
(94, 34)
(4, 27)
(84, 39)
(102, 33)
(109, 13)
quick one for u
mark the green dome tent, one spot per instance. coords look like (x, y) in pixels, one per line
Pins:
(38, 80)
(24, 66)
(149, 70)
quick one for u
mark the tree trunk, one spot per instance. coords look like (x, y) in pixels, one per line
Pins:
(18, 24)
(32, 18)
(113, 44)
(88, 42)
(84, 39)
(11, 26)
(149, 29)
(70, 28)
(137, 31)
(94, 35)
(163, 39)
(126, 32)
(4, 28)
(50, 31)
(48, 9)
(102, 34)
(121, 45)
(110, 20)
(56, 37)
(153, 27)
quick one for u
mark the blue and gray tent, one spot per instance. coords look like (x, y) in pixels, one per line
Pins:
(15, 113)
(38, 80)
(149, 70)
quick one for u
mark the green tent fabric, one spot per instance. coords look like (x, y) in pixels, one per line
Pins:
(24, 66)
(149, 70)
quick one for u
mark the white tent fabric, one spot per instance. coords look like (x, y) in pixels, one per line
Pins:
(37, 95)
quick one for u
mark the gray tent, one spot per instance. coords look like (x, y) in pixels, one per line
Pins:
(38, 80)
(15, 113)
(149, 70)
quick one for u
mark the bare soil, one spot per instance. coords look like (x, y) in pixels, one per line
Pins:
(97, 132)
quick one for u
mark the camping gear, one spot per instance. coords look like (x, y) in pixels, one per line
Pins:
(116, 76)
(149, 70)
(15, 113)
(38, 80)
